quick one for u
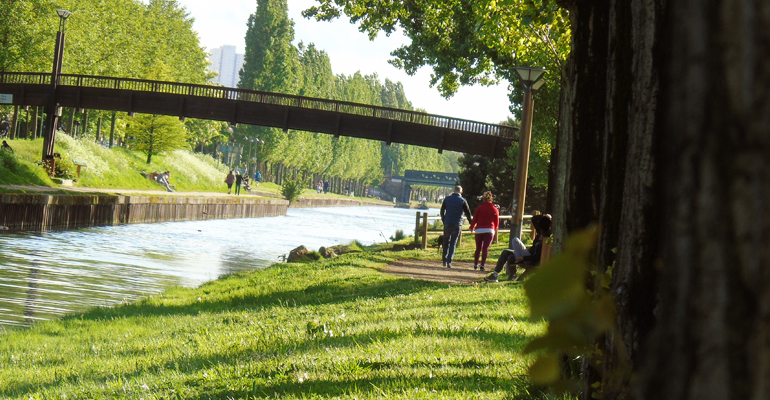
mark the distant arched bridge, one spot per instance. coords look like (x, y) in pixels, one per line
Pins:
(242, 106)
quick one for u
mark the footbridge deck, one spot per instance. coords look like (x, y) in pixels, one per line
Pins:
(240, 106)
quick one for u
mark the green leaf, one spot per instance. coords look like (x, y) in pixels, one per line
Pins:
(545, 370)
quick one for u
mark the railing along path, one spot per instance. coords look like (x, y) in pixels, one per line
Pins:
(422, 228)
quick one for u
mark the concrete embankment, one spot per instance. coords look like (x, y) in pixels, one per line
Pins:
(41, 212)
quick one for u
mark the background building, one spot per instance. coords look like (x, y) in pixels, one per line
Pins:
(227, 63)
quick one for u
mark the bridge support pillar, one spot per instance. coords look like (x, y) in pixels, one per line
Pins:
(406, 193)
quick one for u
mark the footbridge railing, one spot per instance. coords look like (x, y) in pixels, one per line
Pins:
(220, 92)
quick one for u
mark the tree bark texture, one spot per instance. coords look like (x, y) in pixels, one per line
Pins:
(607, 165)
(713, 334)
(665, 141)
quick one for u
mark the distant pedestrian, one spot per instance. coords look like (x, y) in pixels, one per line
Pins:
(229, 181)
(163, 179)
(238, 181)
(257, 178)
(7, 147)
(484, 223)
(326, 187)
(451, 212)
(5, 127)
(319, 187)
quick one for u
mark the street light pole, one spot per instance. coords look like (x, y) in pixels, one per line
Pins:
(531, 79)
(52, 108)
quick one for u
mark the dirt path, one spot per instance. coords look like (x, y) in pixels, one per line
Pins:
(461, 273)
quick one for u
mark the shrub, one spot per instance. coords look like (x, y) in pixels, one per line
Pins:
(8, 161)
(64, 169)
(399, 235)
(291, 189)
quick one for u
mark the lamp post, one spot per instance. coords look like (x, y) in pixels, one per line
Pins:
(52, 108)
(251, 143)
(532, 79)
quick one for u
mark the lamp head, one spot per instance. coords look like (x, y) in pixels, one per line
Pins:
(63, 14)
(529, 76)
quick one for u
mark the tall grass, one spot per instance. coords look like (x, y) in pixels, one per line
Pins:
(334, 328)
(116, 167)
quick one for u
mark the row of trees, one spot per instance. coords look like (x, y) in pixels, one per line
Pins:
(156, 41)
(123, 38)
(476, 42)
(273, 63)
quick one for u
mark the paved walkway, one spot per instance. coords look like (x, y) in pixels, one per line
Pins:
(461, 273)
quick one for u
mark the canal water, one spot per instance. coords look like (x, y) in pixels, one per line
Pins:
(47, 275)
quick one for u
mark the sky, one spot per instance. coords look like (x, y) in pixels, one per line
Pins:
(223, 22)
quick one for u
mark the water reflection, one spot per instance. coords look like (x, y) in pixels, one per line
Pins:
(47, 275)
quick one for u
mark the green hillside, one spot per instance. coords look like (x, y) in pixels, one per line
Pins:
(109, 168)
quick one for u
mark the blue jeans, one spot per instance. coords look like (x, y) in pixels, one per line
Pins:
(451, 233)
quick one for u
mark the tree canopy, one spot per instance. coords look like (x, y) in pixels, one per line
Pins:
(273, 63)
(121, 38)
(475, 42)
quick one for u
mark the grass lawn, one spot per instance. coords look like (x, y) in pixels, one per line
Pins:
(335, 328)
(118, 168)
(115, 168)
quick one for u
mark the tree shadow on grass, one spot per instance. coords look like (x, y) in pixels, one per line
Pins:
(452, 386)
(276, 363)
(327, 293)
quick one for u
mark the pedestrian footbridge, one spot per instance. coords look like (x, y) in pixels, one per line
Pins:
(240, 106)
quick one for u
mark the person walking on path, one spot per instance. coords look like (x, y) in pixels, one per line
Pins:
(326, 187)
(257, 178)
(520, 255)
(485, 222)
(452, 210)
(229, 181)
(238, 181)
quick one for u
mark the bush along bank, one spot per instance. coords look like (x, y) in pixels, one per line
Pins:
(332, 328)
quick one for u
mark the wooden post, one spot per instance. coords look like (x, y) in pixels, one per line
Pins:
(99, 130)
(417, 228)
(424, 230)
(12, 132)
(112, 129)
(72, 122)
(26, 125)
(34, 123)
(84, 131)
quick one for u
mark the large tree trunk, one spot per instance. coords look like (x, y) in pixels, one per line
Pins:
(713, 335)
(607, 165)
(665, 141)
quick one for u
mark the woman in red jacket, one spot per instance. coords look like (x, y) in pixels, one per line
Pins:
(484, 223)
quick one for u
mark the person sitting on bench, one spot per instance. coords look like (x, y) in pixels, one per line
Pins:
(529, 259)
